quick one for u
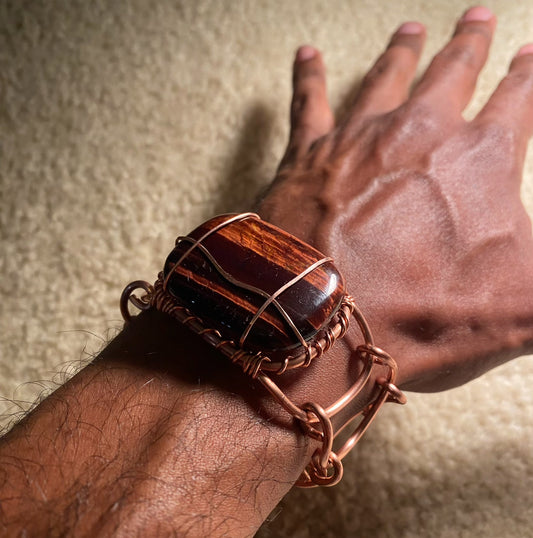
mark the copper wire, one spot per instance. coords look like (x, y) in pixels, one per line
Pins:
(229, 220)
(242, 285)
(272, 299)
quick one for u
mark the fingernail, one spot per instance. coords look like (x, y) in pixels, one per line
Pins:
(410, 28)
(306, 52)
(477, 14)
(526, 49)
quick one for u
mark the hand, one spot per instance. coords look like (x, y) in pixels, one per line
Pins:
(420, 209)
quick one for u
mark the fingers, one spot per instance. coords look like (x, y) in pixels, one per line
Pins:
(511, 105)
(387, 84)
(311, 116)
(450, 80)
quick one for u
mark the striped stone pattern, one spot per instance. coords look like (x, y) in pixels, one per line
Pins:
(230, 274)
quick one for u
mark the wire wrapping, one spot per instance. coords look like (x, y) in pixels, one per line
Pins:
(325, 467)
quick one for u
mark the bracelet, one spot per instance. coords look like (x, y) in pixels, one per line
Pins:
(270, 303)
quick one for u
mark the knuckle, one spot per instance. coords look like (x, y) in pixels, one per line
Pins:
(371, 79)
(311, 109)
(473, 29)
(420, 115)
(521, 78)
(309, 72)
(393, 62)
(399, 55)
(410, 126)
(458, 54)
(308, 85)
(466, 49)
(496, 134)
(299, 104)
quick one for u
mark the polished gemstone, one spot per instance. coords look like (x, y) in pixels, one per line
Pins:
(230, 273)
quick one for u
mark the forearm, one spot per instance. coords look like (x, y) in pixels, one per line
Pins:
(158, 434)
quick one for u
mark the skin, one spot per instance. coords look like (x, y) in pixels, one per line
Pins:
(447, 288)
(421, 210)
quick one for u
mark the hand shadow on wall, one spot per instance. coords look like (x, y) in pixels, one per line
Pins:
(250, 168)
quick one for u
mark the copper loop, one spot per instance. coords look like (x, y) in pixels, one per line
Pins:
(327, 433)
(252, 364)
(395, 394)
(381, 357)
(309, 357)
(224, 343)
(319, 350)
(127, 296)
(212, 331)
(190, 319)
(283, 367)
(312, 478)
(354, 390)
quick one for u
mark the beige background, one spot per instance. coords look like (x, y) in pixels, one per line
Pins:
(126, 123)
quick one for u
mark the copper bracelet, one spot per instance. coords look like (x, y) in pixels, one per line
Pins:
(270, 303)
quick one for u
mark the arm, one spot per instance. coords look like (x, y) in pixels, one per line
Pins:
(160, 435)
(152, 438)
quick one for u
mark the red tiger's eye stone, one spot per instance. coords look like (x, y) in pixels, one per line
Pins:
(235, 268)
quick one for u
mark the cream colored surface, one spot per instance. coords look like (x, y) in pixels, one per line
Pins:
(126, 123)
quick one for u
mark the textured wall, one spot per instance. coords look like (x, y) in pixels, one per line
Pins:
(126, 123)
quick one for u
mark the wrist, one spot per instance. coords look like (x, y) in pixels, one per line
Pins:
(161, 421)
(153, 424)
(218, 438)
(273, 305)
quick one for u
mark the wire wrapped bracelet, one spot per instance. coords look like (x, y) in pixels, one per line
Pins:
(270, 303)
